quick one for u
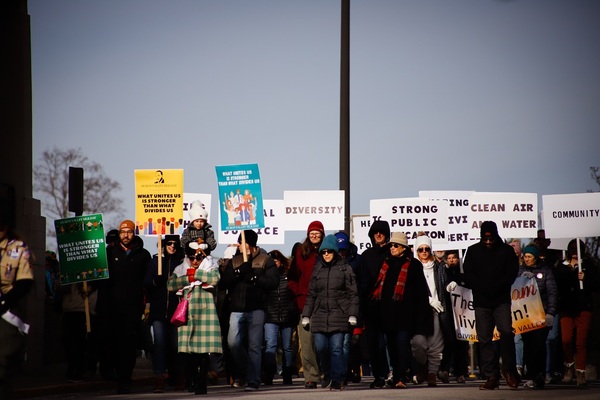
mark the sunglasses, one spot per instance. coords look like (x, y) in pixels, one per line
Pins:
(423, 249)
(327, 252)
(488, 239)
(170, 243)
(395, 245)
(197, 257)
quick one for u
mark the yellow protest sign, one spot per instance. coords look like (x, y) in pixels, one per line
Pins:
(158, 201)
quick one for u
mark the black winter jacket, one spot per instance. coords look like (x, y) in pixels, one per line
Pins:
(546, 285)
(162, 302)
(281, 304)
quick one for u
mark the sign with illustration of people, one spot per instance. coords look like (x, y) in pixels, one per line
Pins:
(81, 249)
(526, 308)
(272, 233)
(240, 197)
(158, 201)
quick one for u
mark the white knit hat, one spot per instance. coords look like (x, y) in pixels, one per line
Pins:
(197, 211)
(423, 240)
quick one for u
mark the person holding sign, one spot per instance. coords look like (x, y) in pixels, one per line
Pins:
(534, 342)
(491, 267)
(575, 307)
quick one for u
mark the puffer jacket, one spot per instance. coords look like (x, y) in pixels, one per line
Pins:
(546, 285)
(332, 297)
(281, 307)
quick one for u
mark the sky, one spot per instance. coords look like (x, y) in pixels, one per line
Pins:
(483, 95)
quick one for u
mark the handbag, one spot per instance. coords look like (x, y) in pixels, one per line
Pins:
(179, 317)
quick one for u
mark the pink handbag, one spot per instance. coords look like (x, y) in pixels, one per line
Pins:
(179, 317)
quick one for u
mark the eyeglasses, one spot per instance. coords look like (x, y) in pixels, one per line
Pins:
(315, 234)
(170, 243)
(487, 239)
(197, 257)
(423, 249)
(126, 232)
(326, 251)
(395, 245)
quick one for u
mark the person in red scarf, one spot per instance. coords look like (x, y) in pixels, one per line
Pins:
(400, 305)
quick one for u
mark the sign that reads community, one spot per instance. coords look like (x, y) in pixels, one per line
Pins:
(515, 214)
(81, 249)
(158, 200)
(572, 215)
(413, 215)
(240, 197)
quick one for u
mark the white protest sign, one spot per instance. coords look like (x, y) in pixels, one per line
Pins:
(572, 215)
(188, 199)
(458, 217)
(304, 206)
(413, 215)
(360, 232)
(515, 214)
(272, 233)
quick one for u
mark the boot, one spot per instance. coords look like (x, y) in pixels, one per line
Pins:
(159, 384)
(569, 372)
(200, 377)
(580, 373)
(432, 379)
(287, 376)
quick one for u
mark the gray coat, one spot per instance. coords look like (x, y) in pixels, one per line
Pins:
(332, 297)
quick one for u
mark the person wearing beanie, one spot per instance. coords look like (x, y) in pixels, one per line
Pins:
(199, 230)
(577, 278)
(304, 257)
(249, 277)
(120, 306)
(398, 307)
(490, 268)
(427, 349)
(330, 310)
(534, 342)
(201, 335)
(162, 304)
(367, 273)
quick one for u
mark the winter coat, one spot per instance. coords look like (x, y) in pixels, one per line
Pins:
(162, 301)
(490, 273)
(413, 313)
(571, 299)
(546, 285)
(191, 234)
(447, 316)
(332, 297)
(370, 262)
(202, 333)
(301, 270)
(123, 292)
(281, 306)
(248, 291)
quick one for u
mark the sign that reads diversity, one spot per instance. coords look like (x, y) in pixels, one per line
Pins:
(240, 197)
(81, 249)
(158, 200)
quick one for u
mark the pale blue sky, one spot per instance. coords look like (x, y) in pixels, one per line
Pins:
(482, 95)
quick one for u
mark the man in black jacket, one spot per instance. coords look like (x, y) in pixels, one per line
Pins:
(490, 269)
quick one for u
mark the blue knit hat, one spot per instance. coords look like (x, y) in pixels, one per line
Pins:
(329, 243)
(532, 250)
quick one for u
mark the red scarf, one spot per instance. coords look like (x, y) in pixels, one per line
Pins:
(400, 283)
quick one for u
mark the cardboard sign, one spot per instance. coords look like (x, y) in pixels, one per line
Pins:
(303, 207)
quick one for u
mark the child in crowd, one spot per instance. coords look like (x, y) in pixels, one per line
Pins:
(199, 230)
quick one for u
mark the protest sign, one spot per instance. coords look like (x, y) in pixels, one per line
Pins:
(515, 214)
(158, 201)
(413, 215)
(360, 232)
(526, 308)
(240, 197)
(303, 207)
(458, 217)
(81, 249)
(272, 233)
(572, 215)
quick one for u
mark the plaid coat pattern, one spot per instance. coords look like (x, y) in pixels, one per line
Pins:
(202, 333)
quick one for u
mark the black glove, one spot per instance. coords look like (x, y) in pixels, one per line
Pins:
(245, 268)
(160, 280)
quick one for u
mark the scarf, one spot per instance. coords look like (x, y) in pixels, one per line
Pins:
(400, 283)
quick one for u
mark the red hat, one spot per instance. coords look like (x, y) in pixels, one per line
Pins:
(315, 226)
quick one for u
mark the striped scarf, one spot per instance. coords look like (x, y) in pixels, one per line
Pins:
(400, 283)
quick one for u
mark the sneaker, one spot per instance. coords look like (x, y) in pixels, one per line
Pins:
(310, 385)
(378, 383)
(529, 384)
(399, 385)
(238, 383)
(326, 382)
(335, 385)
(461, 379)
(548, 378)
(490, 384)
(251, 387)
(444, 376)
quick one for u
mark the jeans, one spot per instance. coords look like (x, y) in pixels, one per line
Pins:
(165, 346)
(271, 335)
(485, 320)
(247, 325)
(551, 348)
(519, 350)
(331, 345)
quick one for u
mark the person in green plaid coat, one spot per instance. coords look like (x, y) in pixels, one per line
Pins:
(195, 279)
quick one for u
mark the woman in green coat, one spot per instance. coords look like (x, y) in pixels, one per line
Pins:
(195, 279)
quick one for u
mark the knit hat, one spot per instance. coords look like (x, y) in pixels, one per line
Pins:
(329, 243)
(342, 240)
(127, 224)
(112, 236)
(531, 250)
(489, 226)
(315, 226)
(197, 211)
(251, 237)
(400, 238)
(171, 238)
(423, 240)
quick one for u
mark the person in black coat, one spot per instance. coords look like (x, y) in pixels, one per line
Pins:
(490, 268)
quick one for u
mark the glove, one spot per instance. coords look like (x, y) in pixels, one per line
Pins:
(352, 320)
(436, 304)
(527, 274)
(160, 280)
(245, 268)
(190, 274)
(549, 320)
(204, 246)
(305, 323)
(451, 286)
